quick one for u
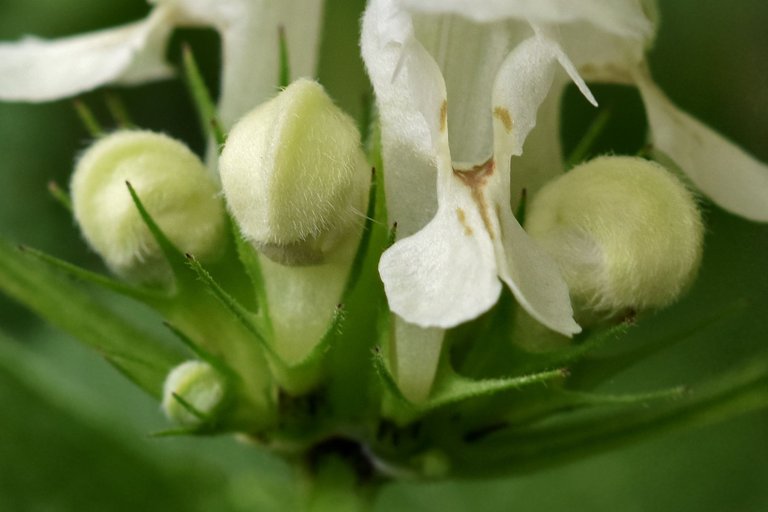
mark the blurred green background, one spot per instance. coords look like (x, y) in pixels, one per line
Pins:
(73, 433)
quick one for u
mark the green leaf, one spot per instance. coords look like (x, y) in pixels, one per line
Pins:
(516, 450)
(56, 459)
(65, 304)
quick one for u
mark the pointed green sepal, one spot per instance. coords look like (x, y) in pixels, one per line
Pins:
(175, 258)
(206, 110)
(86, 116)
(148, 296)
(451, 388)
(60, 195)
(285, 63)
(118, 110)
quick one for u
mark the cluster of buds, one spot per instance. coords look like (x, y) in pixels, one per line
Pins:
(320, 305)
(281, 359)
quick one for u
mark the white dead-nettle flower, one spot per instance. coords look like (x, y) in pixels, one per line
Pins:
(485, 75)
(40, 70)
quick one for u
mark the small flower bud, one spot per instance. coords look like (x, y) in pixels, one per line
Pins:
(173, 185)
(294, 175)
(626, 233)
(193, 391)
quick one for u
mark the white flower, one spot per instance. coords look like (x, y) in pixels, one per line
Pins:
(482, 73)
(39, 70)
(497, 75)
(477, 72)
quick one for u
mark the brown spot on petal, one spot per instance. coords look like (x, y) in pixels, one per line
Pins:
(475, 178)
(503, 115)
(443, 115)
(463, 221)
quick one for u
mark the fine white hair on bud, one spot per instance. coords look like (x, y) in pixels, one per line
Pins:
(193, 392)
(294, 175)
(172, 184)
(626, 233)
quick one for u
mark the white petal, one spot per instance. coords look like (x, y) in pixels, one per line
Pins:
(733, 179)
(446, 273)
(534, 278)
(456, 43)
(521, 85)
(624, 17)
(542, 157)
(250, 46)
(417, 355)
(407, 144)
(426, 87)
(38, 70)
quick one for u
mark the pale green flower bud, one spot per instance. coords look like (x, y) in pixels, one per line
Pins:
(175, 188)
(294, 175)
(626, 233)
(193, 392)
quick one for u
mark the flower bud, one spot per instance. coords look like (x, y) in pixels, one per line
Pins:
(626, 233)
(294, 175)
(193, 391)
(174, 187)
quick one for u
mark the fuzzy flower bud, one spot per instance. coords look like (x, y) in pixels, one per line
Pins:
(193, 391)
(626, 233)
(172, 183)
(294, 175)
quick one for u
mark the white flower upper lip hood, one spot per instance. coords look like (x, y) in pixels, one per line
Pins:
(485, 68)
(44, 70)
